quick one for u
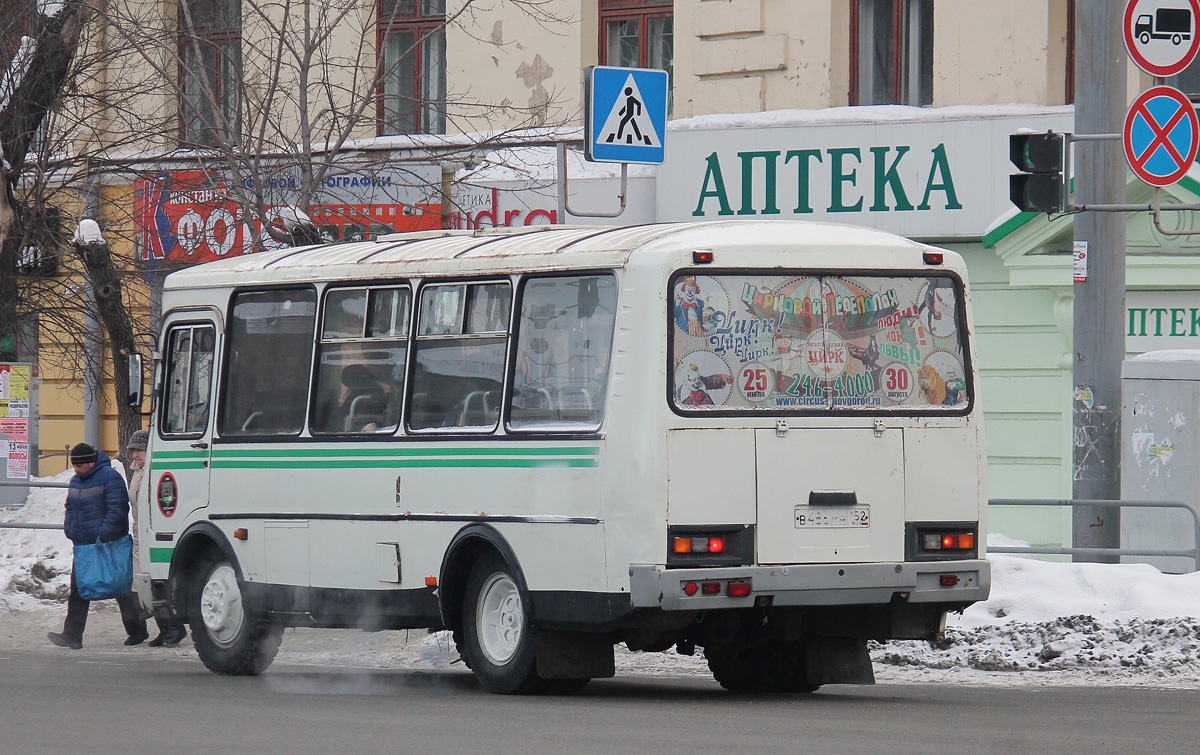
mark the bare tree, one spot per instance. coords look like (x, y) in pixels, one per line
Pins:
(280, 102)
(47, 34)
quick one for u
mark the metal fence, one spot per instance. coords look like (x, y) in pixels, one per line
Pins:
(1192, 553)
(31, 484)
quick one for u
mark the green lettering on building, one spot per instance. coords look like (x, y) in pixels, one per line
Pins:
(805, 157)
(940, 167)
(885, 177)
(770, 161)
(838, 177)
(713, 173)
(1137, 314)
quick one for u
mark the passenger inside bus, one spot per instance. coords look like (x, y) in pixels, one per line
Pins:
(391, 392)
(364, 397)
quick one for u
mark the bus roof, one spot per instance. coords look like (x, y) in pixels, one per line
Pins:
(529, 248)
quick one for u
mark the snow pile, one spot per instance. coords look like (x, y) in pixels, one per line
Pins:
(1124, 620)
(35, 565)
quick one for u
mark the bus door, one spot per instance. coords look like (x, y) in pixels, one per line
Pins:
(178, 477)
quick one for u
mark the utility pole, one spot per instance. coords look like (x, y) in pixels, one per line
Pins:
(1099, 301)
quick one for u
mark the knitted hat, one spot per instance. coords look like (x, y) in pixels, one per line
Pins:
(82, 453)
(137, 441)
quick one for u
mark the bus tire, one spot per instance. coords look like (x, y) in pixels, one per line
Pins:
(497, 634)
(226, 639)
(769, 667)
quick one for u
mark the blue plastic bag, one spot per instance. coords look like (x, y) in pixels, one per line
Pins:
(104, 570)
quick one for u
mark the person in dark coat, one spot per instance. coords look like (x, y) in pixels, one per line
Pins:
(97, 511)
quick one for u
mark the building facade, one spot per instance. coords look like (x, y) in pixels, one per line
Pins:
(887, 113)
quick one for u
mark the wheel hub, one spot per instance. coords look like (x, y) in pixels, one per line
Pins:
(221, 605)
(500, 618)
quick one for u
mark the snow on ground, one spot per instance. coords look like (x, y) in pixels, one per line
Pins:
(35, 565)
(1045, 623)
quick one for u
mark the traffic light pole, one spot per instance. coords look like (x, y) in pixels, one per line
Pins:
(1098, 344)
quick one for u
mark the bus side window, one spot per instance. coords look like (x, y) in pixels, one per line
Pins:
(462, 339)
(361, 361)
(265, 390)
(564, 343)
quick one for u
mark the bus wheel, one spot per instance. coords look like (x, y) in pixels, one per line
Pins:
(767, 667)
(226, 640)
(498, 638)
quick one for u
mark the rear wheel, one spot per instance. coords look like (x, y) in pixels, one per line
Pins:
(497, 636)
(768, 667)
(227, 640)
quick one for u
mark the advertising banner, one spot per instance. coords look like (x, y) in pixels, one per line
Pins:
(190, 216)
(14, 428)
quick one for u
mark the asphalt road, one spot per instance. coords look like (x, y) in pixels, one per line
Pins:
(59, 701)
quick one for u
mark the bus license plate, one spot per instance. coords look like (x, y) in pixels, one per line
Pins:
(808, 517)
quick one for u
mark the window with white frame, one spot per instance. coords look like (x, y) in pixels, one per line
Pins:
(892, 59)
(412, 37)
(210, 68)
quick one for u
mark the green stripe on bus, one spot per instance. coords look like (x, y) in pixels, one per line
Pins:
(397, 463)
(222, 453)
(180, 454)
(161, 555)
(156, 464)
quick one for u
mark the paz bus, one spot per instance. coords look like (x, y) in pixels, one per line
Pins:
(759, 440)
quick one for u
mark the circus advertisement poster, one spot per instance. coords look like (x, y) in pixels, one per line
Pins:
(189, 217)
(772, 342)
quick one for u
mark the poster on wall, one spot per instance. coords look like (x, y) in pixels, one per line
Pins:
(752, 343)
(190, 216)
(14, 419)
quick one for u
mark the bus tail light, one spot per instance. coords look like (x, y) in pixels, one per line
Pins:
(739, 589)
(933, 258)
(734, 588)
(941, 541)
(947, 580)
(691, 546)
(949, 541)
(698, 545)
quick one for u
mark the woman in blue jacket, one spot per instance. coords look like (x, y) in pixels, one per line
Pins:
(97, 511)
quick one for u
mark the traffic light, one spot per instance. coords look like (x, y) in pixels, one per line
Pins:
(1040, 187)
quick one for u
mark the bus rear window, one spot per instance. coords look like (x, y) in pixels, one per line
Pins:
(772, 343)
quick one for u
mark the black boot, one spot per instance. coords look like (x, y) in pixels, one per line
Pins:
(63, 641)
(170, 634)
(174, 636)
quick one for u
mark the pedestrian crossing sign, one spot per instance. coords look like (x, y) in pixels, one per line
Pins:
(625, 116)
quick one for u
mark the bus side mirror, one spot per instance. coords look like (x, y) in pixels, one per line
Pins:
(136, 378)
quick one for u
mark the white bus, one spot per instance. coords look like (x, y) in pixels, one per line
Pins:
(758, 438)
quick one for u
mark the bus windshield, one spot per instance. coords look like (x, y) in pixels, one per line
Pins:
(763, 343)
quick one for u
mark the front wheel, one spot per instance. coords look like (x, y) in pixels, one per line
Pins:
(226, 639)
(497, 636)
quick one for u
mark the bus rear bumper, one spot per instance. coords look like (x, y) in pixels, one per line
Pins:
(953, 583)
